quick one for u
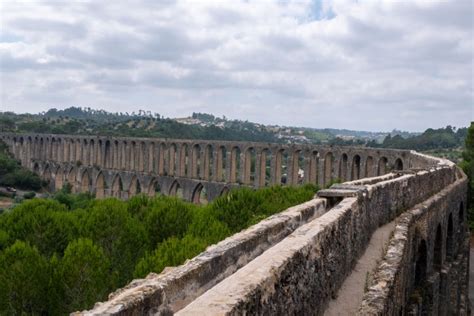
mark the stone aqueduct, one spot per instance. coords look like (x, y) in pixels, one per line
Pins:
(197, 170)
(298, 262)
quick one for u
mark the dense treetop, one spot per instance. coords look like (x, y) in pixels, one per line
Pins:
(64, 254)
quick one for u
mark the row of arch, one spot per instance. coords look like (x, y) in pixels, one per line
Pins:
(84, 180)
(426, 262)
(250, 164)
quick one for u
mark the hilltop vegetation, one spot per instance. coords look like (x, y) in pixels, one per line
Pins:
(64, 254)
(144, 124)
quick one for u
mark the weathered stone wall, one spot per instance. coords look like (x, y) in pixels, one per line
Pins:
(304, 271)
(425, 269)
(213, 167)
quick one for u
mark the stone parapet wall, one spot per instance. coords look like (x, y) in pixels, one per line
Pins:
(404, 270)
(174, 288)
(304, 271)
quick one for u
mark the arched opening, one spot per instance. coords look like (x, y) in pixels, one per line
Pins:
(161, 159)
(54, 150)
(249, 166)
(183, 161)
(382, 166)
(154, 188)
(115, 154)
(328, 165)
(135, 187)
(92, 156)
(47, 173)
(421, 265)
(313, 168)
(264, 168)
(438, 250)
(151, 157)
(36, 168)
(59, 179)
(133, 156)
(108, 155)
(398, 164)
(117, 187)
(176, 190)
(71, 179)
(100, 186)
(224, 191)
(369, 167)
(450, 239)
(196, 162)
(296, 170)
(208, 163)
(85, 182)
(355, 172)
(200, 195)
(221, 164)
(235, 165)
(172, 160)
(141, 157)
(343, 167)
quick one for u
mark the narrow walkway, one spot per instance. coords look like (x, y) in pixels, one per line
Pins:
(351, 292)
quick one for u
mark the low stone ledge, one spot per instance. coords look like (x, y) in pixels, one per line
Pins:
(176, 287)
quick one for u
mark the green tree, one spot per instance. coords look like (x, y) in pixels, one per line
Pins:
(84, 272)
(24, 281)
(468, 166)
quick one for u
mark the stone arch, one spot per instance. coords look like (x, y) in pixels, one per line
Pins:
(36, 168)
(225, 190)
(296, 167)
(313, 167)
(235, 164)
(133, 156)
(85, 182)
(141, 157)
(264, 168)
(115, 155)
(280, 167)
(176, 190)
(208, 163)
(59, 179)
(161, 159)
(248, 172)
(151, 157)
(134, 188)
(71, 179)
(117, 186)
(171, 160)
(47, 173)
(382, 166)
(398, 164)
(421, 264)
(196, 161)
(355, 170)
(92, 155)
(184, 160)
(221, 164)
(154, 187)
(369, 167)
(450, 239)
(124, 159)
(100, 186)
(328, 165)
(108, 156)
(54, 150)
(343, 167)
(200, 195)
(438, 249)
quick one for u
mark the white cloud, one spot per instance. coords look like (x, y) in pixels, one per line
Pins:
(373, 65)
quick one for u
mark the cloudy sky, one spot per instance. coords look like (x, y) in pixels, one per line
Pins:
(367, 65)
